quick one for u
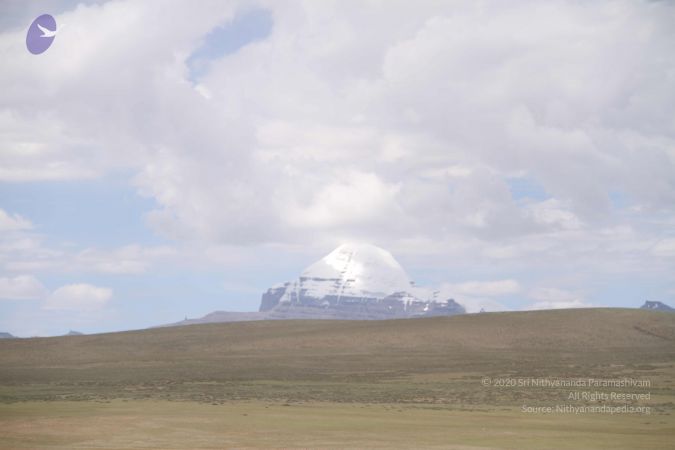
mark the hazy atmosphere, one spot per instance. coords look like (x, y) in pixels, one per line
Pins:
(517, 155)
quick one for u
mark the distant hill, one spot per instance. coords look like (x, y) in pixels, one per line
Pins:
(4, 335)
(657, 306)
(221, 316)
(411, 360)
(74, 333)
(589, 329)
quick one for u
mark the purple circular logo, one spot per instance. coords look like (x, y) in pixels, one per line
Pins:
(41, 34)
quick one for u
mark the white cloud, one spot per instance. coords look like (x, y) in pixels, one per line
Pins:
(553, 298)
(352, 198)
(551, 212)
(484, 288)
(23, 251)
(78, 297)
(425, 115)
(477, 304)
(21, 287)
(665, 247)
(13, 222)
(558, 305)
(130, 259)
(476, 296)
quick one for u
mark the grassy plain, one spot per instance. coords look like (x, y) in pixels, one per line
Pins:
(402, 383)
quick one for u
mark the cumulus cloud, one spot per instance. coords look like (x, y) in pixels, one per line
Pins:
(351, 198)
(434, 90)
(21, 287)
(476, 296)
(553, 298)
(485, 288)
(558, 305)
(299, 123)
(552, 213)
(665, 247)
(13, 222)
(477, 304)
(73, 297)
(78, 297)
(27, 251)
(130, 259)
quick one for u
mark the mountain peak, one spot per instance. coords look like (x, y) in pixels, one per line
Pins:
(362, 269)
(355, 281)
(656, 306)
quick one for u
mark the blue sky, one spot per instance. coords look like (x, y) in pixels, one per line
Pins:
(107, 212)
(170, 171)
(245, 28)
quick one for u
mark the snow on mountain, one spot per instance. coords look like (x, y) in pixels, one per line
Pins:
(356, 281)
(354, 270)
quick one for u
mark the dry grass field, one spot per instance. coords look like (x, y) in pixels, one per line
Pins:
(187, 425)
(422, 383)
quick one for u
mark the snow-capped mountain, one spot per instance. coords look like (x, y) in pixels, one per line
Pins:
(355, 281)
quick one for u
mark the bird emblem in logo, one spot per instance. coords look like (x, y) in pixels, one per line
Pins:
(41, 34)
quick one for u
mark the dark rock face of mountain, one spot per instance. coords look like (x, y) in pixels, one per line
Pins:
(4, 335)
(271, 298)
(657, 306)
(353, 308)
